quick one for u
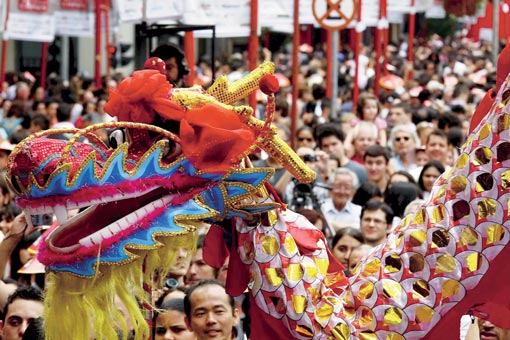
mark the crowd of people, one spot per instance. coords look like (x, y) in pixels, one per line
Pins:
(376, 161)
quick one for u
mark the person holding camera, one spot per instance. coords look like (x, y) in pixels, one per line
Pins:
(304, 195)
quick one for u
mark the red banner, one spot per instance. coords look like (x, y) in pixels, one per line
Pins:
(39, 6)
(75, 5)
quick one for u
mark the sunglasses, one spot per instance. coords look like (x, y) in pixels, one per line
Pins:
(308, 139)
(398, 139)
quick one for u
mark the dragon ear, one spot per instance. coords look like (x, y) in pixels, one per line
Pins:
(481, 110)
(503, 67)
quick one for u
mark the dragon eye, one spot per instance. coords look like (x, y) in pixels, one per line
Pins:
(116, 138)
(171, 148)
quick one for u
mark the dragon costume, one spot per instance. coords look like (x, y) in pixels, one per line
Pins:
(179, 158)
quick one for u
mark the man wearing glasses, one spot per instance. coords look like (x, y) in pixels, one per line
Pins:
(376, 219)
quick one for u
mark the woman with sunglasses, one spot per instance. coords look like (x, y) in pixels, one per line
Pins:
(403, 142)
(305, 138)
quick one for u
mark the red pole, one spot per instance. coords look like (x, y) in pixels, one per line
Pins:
(295, 74)
(4, 59)
(410, 53)
(189, 52)
(266, 38)
(44, 63)
(3, 67)
(253, 46)
(386, 37)
(329, 73)
(97, 56)
(379, 42)
(106, 10)
(355, 93)
(377, 64)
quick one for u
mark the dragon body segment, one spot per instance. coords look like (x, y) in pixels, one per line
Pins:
(144, 195)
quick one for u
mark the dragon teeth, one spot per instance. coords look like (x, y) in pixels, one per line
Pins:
(61, 213)
(124, 223)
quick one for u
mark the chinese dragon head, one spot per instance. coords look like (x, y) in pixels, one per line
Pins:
(179, 158)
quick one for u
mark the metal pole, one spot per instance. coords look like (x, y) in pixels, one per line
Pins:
(495, 32)
(295, 74)
(334, 74)
(64, 65)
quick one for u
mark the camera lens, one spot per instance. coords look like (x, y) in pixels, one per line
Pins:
(171, 283)
(309, 158)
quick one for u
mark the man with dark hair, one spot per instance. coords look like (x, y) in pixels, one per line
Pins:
(330, 139)
(377, 160)
(376, 221)
(39, 122)
(210, 312)
(198, 269)
(23, 306)
(174, 63)
(400, 114)
(63, 121)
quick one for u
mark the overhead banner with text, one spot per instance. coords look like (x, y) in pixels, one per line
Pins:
(75, 18)
(231, 17)
(31, 20)
(137, 11)
(278, 15)
(369, 15)
(396, 9)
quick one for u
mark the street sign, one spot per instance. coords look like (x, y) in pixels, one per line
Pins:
(334, 14)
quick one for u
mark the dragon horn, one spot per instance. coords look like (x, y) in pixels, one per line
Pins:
(269, 141)
(228, 93)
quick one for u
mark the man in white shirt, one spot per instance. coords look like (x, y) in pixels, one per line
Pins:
(339, 210)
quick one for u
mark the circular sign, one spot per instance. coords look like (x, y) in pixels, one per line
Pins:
(334, 14)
